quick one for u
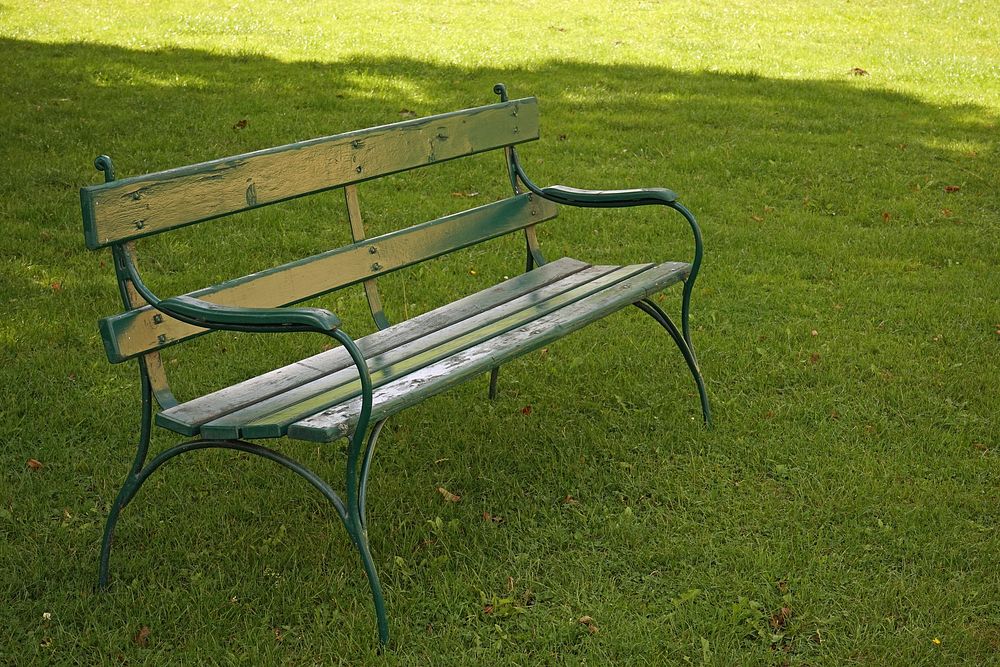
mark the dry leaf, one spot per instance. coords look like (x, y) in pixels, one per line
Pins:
(814, 358)
(952, 188)
(241, 124)
(813, 333)
(857, 71)
(756, 218)
(406, 113)
(448, 495)
(488, 609)
(589, 622)
(526, 410)
(570, 500)
(34, 464)
(780, 618)
(886, 216)
(142, 637)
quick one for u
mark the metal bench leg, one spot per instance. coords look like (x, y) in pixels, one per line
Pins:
(131, 484)
(494, 376)
(683, 342)
(356, 524)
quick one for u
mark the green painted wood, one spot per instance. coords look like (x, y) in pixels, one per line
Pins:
(132, 208)
(135, 332)
(187, 418)
(272, 417)
(413, 387)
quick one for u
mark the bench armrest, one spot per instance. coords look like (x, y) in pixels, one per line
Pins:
(562, 194)
(216, 316)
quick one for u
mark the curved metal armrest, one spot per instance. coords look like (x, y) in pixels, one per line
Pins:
(216, 316)
(562, 194)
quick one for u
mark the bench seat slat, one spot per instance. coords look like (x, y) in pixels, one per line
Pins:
(414, 387)
(187, 418)
(135, 332)
(270, 418)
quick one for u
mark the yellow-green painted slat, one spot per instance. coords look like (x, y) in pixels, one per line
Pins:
(271, 418)
(409, 389)
(188, 417)
(131, 208)
(138, 331)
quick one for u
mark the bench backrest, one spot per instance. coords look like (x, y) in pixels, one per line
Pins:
(120, 211)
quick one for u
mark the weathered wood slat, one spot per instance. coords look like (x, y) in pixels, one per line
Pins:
(135, 207)
(188, 417)
(414, 387)
(135, 332)
(270, 418)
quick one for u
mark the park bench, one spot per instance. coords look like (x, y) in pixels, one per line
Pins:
(350, 390)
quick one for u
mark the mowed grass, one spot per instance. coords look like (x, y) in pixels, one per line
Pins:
(844, 509)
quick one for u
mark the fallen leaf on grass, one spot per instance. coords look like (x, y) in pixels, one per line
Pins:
(857, 71)
(570, 500)
(142, 637)
(492, 518)
(488, 609)
(946, 212)
(780, 618)
(980, 446)
(952, 188)
(448, 495)
(813, 333)
(589, 622)
(406, 113)
(886, 216)
(526, 410)
(34, 464)
(814, 358)
(241, 124)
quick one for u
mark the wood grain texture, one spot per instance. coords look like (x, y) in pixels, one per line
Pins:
(138, 331)
(338, 421)
(188, 417)
(131, 208)
(271, 418)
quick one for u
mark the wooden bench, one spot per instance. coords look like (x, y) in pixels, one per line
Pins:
(350, 390)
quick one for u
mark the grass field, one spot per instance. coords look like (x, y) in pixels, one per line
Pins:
(844, 510)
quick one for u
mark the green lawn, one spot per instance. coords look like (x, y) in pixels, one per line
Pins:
(844, 510)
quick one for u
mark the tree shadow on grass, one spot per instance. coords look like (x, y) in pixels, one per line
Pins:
(808, 191)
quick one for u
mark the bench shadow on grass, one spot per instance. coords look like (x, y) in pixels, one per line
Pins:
(720, 137)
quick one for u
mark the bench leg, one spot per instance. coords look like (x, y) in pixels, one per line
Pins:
(132, 483)
(683, 342)
(357, 524)
(349, 513)
(494, 376)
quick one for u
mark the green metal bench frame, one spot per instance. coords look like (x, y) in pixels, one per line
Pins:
(118, 212)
